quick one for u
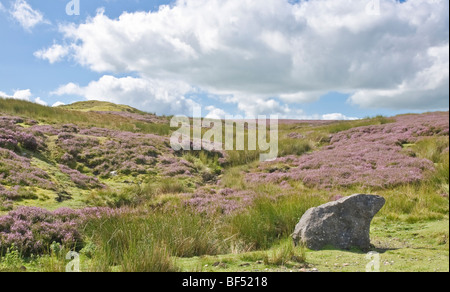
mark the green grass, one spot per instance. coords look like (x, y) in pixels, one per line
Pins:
(147, 242)
(402, 247)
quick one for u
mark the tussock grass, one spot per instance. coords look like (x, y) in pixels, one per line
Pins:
(432, 149)
(270, 220)
(148, 242)
(234, 178)
(294, 147)
(285, 253)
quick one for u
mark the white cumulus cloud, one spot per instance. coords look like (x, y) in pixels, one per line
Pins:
(52, 54)
(27, 17)
(38, 100)
(23, 94)
(337, 116)
(215, 113)
(277, 51)
(58, 103)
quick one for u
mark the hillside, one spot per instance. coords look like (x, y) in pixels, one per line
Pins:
(100, 161)
(100, 106)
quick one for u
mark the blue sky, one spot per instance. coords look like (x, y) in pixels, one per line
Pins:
(304, 59)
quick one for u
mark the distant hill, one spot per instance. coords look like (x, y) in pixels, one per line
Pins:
(100, 106)
(87, 114)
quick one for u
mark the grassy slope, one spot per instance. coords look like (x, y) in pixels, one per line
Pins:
(100, 106)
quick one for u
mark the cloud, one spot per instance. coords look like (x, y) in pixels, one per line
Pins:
(53, 54)
(2, 8)
(279, 51)
(58, 103)
(27, 17)
(38, 100)
(23, 94)
(428, 89)
(261, 106)
(215, 113)
(161, 97)
(336, 117)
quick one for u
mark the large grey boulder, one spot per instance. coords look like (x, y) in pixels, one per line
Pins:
(342, 224)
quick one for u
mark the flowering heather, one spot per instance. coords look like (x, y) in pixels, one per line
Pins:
(7, 194)
(224, 201)
(6, 198)
(173, 166)
(32, 230)
(148, 118)
(15, 193)
(12, 135)
(45, 129)
(370, 156)
(81, 180)
(105, 151)
(102, 152)
(17, 170)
